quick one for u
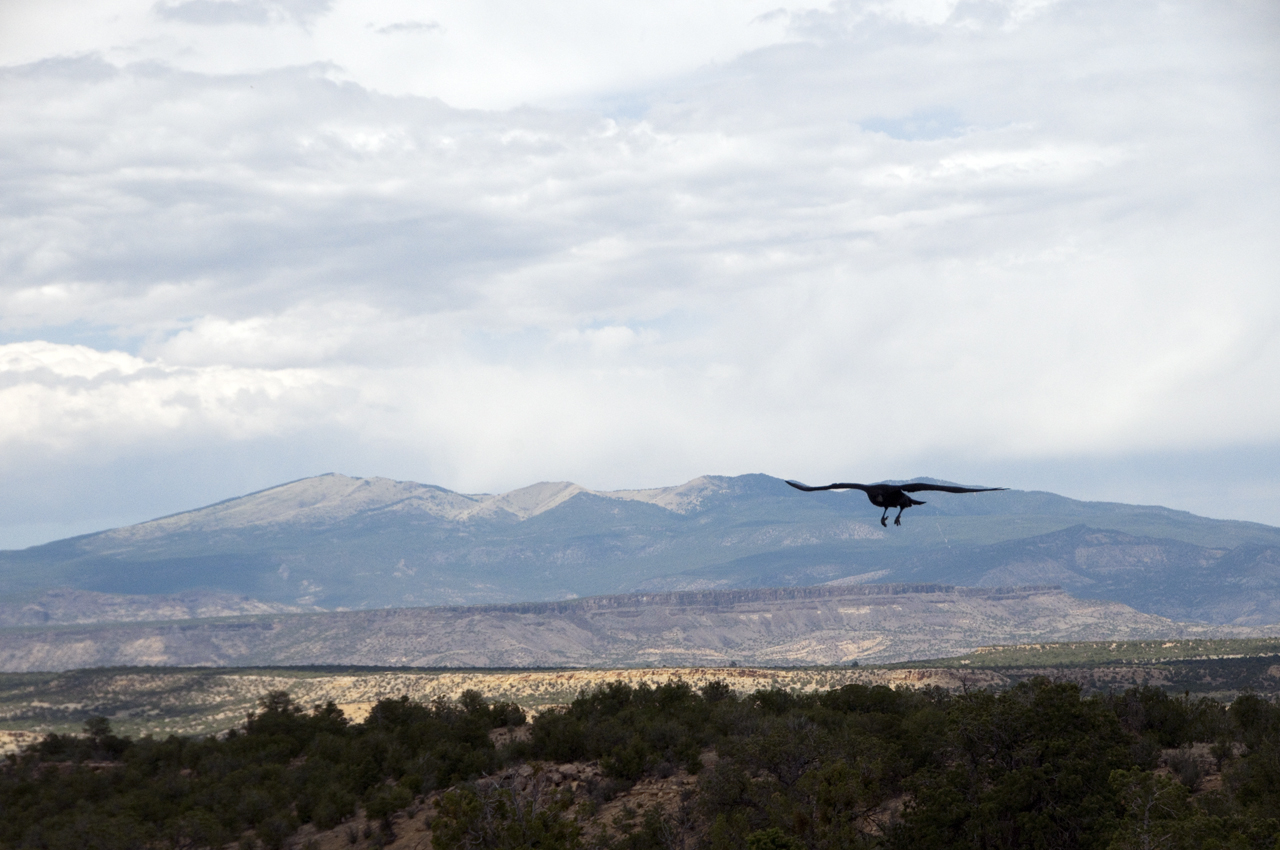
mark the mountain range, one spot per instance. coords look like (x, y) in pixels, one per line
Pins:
(334, 542)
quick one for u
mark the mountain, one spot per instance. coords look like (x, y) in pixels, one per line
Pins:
(337, 542)
(1171, 578)
(779, 626)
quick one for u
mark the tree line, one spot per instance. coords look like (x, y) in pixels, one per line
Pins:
(1039, 765)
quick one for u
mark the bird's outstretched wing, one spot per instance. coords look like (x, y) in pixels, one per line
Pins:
(808, 489)
(916, 488)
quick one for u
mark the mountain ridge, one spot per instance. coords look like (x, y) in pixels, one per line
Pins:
(522, 503)
(338, 542)
(79, 607)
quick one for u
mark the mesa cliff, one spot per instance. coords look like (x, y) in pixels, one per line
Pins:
(775, 626)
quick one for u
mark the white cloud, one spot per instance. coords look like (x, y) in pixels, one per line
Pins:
(73, 399)
(415, 27)
(496, 54)
(953, 232)
(252, 12)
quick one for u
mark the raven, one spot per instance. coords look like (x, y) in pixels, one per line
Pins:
(894, 495)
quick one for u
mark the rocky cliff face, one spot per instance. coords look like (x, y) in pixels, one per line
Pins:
(787, 626)
(64, 607)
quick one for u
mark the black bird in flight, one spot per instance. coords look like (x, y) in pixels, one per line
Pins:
(894, 495)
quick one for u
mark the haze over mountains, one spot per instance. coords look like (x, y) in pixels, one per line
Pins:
(336, 542)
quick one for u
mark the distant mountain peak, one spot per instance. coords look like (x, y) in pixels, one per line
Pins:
(681, 499)
(333, 497)
(530, 501)
(339, 541)
(323, 499)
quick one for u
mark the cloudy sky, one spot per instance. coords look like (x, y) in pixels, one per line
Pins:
(1029, 243)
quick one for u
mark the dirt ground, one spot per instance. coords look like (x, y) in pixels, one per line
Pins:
(12, 742)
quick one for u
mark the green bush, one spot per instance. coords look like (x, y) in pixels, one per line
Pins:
(1039, 765)
(285, 766)
(482, 816)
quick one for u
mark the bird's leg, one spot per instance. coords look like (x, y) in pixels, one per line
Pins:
(898, 519)
(884, 518)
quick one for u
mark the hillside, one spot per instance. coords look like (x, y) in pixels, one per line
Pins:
(657, 759)
(186, 701)
(783, 626)
(68, 607)
(336, 542)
